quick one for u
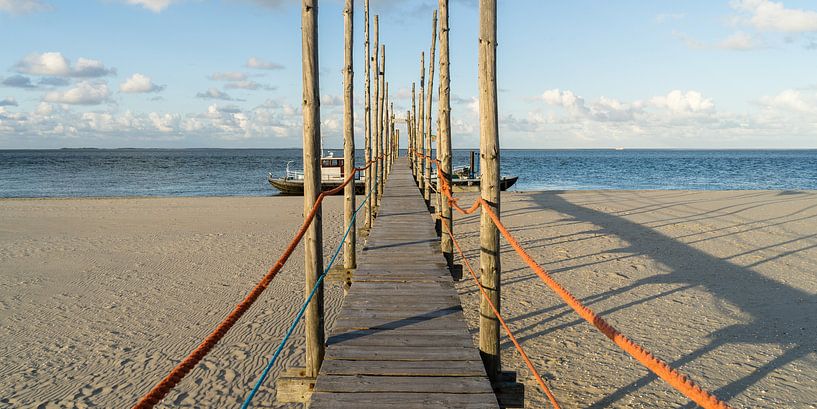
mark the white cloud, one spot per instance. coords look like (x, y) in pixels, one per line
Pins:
(214, 93)
(247, 85)
(8, 102)
(604, 109)
(84, 93)
(768, 15)
(792, 101)
(228, 76)
(23, 6)
(54, 64)
(260, 64)
(684, 103)
(739, 41)
(139, 83)
(156, 6)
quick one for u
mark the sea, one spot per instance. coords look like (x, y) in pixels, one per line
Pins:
(243, 172)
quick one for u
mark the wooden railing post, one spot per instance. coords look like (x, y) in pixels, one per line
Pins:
(421, 123)
(376, 97)
(444, 136)
(413, 130)
(429, 100)
(367, 121)
(380, 112)
(349, 261)
(313, 241)
(489, 187)
(386, 119)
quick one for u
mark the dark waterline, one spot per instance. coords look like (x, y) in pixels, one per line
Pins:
(242, 172)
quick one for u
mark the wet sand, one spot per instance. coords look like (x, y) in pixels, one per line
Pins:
(100, 297)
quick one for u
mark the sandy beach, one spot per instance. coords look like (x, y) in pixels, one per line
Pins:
(100, 297)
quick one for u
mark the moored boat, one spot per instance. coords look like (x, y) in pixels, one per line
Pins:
(332, 176)
(465, 179)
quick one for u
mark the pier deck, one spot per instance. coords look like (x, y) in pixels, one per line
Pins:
(401, 339)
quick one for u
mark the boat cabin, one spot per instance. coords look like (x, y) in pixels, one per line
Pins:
(332, 168)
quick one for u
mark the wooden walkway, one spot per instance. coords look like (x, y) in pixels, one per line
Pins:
(401, 339)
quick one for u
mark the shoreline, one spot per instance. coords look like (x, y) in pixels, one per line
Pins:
(276, 195)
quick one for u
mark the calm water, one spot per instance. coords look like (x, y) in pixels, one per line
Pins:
(231, 172)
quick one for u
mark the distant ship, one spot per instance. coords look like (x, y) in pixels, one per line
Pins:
(332, 176)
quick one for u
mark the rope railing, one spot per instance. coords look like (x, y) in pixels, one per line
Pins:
(161, 389)
(679, 381)
(516, 344)
(300, 314)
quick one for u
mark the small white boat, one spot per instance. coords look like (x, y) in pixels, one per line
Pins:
(332, 176)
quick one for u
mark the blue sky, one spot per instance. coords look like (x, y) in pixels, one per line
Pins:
(578, 74)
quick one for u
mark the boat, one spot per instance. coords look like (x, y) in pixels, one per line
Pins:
(332, 176)
(465, 179)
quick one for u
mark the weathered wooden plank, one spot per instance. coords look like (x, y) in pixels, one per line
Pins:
(402, 353)
(386, 338)
(408, 384)
(404, 368)
(402, 400)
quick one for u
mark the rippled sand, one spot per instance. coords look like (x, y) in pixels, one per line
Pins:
(99, 298)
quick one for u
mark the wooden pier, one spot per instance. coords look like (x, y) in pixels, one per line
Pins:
(401, 339)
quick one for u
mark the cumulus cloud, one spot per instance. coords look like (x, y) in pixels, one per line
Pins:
(603, 109)
(247, 85)
(238, 80)
(768, 15)
(740, 41)
(54, 64)
(8, 102)
(18, 81)
(84, 93)
(684, 103)
(792, 101)
(23, 6)
(54, 81)
(156, 6)
(139, 83)
(260, 64)
(214, 93)
(228, 76)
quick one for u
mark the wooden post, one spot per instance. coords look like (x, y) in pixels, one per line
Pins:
(429, 99)
(376, 97)
(413, 131)
(410, 140)
(444, 135)
(349, 205)
(421, 125)
(392, 142)
(313, 243)
(489, 260)
(367, 122)
(386, 148)
(381, 118)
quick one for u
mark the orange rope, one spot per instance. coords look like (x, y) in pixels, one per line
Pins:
(677, 380)
(184, 367)
(519, 348)
(681, 382)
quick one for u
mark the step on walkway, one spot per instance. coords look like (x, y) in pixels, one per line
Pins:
(401, 339)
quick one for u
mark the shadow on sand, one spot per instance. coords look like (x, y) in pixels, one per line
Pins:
(773, 310)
